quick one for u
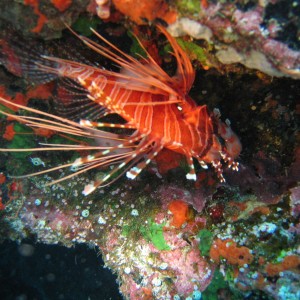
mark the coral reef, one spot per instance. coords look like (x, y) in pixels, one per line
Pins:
(251, 34)
(139, 240)
(260, 35)
(164, 237)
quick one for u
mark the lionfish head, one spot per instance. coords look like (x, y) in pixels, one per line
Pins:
(217, 141)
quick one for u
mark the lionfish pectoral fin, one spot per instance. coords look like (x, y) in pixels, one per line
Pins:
(110, 177)
(98, 160)
(116, 149)
(88, 123)
(41, 172)
(136, 170)
(122, 163)
(52, 122)
(72, 101)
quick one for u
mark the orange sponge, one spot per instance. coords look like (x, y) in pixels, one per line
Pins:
(229, 250)
(180, 211)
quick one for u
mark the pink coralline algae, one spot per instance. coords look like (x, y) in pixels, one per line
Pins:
(182, 263)
(190, 269)
(248, 22)
(295, 201)
(197, 197)
(245, 35)
(48, 221)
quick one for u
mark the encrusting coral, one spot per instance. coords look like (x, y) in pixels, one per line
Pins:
(229, 250)
(288, 263)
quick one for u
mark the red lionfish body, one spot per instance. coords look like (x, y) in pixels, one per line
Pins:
(156, 106)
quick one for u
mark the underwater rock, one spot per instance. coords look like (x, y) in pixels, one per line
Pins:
(243, 35)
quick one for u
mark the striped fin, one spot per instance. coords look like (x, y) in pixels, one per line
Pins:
(191, 175)
(148, 75)
(185, 75)
(88, 123)
(59, 124)
(219, 169)
(124, 153)
(136, 170)
(20, 57)
(126, 161)
(136, 77)
(71, 101)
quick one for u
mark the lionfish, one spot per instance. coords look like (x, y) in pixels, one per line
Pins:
(155, 107)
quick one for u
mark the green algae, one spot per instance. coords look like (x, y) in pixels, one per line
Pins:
(154, 233)
(136, 49)
(18, 166)
(84, 24)
(206, 239)
(5, 109)
(23, 139)
(217, 283)
(194, 50)
(188, 6)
